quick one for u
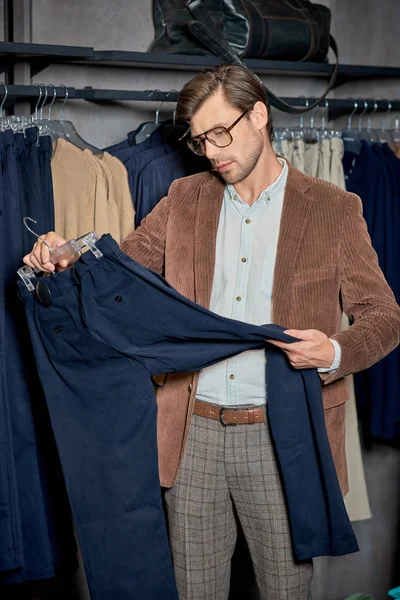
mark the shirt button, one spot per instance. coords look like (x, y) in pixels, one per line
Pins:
(239, 298)
(231, 377)
(244, 259)
(118, 298)
(269, 199)
(248, 221)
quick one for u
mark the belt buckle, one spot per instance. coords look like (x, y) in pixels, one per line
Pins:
(221, 417)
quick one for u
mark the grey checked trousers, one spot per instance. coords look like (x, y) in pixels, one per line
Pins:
(223, 466)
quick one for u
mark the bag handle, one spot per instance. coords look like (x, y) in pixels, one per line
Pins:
(203, 28)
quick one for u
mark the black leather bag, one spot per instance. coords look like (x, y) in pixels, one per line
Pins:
(266, 29)
(190, 28)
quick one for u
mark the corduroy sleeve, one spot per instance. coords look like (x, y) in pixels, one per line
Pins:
(146, 245)
(367, 299)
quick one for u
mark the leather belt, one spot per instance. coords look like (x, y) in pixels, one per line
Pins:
(228, 415)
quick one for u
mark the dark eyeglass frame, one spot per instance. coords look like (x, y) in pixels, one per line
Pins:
(204, 136)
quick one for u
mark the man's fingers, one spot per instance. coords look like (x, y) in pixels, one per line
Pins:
(64, 262)
(303, 334)
(282, 345)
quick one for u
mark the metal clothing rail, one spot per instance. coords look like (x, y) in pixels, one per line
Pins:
(336, 106)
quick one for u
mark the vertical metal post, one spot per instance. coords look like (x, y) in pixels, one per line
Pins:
(20, 24)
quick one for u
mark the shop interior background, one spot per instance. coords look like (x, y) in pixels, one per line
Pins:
(367, 33)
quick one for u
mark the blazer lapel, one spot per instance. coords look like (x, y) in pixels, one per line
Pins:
(295, 214)
(209, 202)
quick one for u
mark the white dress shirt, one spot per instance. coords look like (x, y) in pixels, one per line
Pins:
(247, 240)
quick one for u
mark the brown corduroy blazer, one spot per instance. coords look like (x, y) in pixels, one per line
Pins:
(324, 264)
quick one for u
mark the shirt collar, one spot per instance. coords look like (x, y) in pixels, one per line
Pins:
(271, 192)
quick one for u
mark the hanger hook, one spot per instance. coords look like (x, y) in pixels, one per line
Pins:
(353, 112)
(325, 116)
(375, 108)
(306, 103)
(4, 99)
(311, 112)
(44, 100)
(396, 121)
(65, 101)
(384, 120)
(39, 99)
(174, 113)
(54, 99)
(158, 111)
(25, 219)
(362, 114)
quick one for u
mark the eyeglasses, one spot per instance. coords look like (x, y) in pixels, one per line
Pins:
(219, 136)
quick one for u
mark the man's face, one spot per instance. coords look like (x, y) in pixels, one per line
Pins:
(234, 162)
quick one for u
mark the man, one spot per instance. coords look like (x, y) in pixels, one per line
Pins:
(257, 241)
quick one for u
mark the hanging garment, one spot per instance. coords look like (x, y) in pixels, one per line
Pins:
(122, 194)
(356, 499)
(153, 165)
(35, 520)
(324, 160)
(287, 149)
(111, 324)
(298, 159)
(311, 158)
(375, 179)
(107, 201)
(119, 201)
(152, 180)
(45, 154)
(337, 152)
(80, 192)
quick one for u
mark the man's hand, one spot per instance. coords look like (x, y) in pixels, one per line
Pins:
(314, 351)
(39, 257)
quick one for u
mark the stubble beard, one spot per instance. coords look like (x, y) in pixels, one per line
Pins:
(242, 170)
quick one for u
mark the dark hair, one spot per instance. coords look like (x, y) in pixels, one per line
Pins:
(240, 87)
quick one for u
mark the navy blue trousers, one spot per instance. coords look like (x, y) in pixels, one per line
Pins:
(35, 521)
(111, 325)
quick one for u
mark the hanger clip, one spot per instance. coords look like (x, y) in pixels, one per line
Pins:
(72, 250)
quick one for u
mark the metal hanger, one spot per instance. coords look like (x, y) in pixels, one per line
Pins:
(349, 134)
(15, 123)
(3, 120)
(373, 134)
(70, 133)
(46, 126)
(298, 131)
(384, 134)
(311, 133)
(396, 131)
(324, 132)
(363, 133)
(39, 122)
(55, 126)
(146, 129)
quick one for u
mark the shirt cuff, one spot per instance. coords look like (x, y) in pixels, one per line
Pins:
(336, 361)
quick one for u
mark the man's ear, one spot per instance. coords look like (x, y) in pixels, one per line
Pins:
(259, 115)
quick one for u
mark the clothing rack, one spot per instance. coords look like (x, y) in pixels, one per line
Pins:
(337, 107)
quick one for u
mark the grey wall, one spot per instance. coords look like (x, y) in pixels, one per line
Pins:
(367, 33)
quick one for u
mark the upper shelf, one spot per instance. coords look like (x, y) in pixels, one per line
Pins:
(42, 55)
